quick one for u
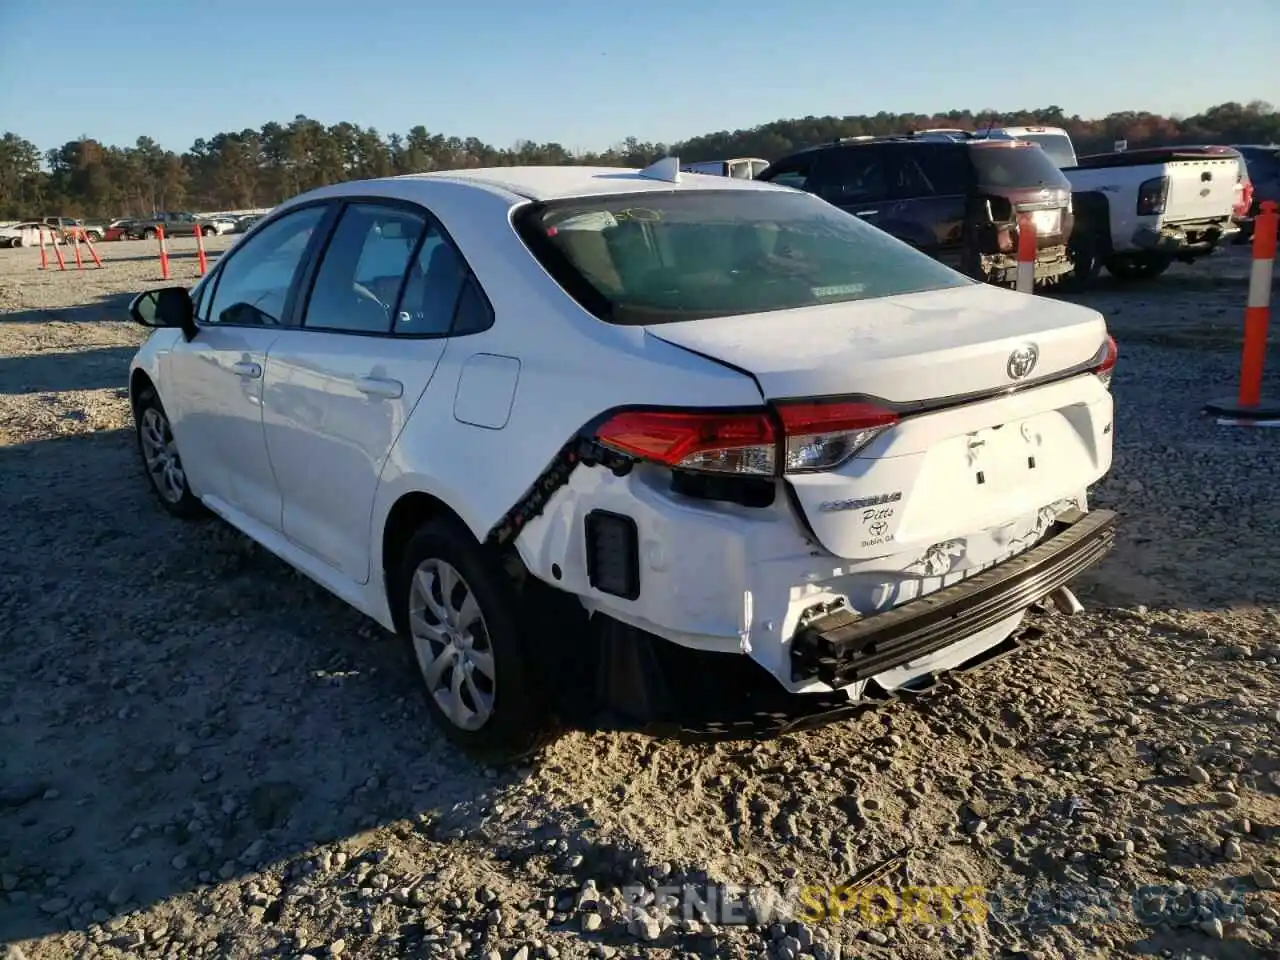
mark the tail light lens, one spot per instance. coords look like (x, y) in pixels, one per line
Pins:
(1246, 198)
(1152, 196)
(821, 435)
(1106, 360)
(743, 443)
(802, 437)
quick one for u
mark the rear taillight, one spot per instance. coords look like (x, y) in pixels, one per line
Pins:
(798, 437)
(742, 443)
(1152, 196)
(1105, 360)
(824, 434)
(1246, 198)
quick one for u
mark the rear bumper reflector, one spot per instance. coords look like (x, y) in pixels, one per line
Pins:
(841, 647)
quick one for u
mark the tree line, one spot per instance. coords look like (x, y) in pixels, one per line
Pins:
(259, 168)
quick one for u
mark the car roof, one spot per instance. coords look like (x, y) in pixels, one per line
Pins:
(564, 182)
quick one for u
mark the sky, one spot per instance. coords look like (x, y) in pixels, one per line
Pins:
(588, 73)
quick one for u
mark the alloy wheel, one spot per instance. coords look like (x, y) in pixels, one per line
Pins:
(452, 645)
(161, 455)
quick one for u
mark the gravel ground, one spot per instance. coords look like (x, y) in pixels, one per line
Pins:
(204, 755)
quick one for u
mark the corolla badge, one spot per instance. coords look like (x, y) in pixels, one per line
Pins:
(1022, 361)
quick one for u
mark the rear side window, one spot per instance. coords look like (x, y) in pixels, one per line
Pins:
(851, 176)
(658, 258)
(1011, 165)
(362, 269)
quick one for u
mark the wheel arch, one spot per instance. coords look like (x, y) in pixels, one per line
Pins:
(406, 516)
(139, 382)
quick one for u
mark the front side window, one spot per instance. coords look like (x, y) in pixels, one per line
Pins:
(363, 268)
(685, 255)
(255, 279)
(933, 170)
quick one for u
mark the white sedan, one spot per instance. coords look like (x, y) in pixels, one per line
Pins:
(529, 417)
(27, 234)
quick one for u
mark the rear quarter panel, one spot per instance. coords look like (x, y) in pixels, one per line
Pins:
(572, 368)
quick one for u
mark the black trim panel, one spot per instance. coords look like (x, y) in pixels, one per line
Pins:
(841, 648)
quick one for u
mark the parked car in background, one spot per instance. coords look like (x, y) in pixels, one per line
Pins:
(1263, 164)
(1054, 141)
(620, 402)
(68, 227)
(242, 224)
(741, 168)
(222, 224)
(956, 199)
(118, 229)
(27, 234)
(180, 224)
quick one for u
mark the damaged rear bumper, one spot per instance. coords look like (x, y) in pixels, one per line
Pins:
(841, 648)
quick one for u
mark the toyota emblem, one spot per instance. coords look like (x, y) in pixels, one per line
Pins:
(1022, 361)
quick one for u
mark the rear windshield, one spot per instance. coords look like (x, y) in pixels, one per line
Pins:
(684, 255)
(1009, 165)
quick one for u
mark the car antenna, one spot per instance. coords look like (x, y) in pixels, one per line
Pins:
(666, 169)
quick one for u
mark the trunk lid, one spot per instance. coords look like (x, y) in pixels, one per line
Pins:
(995, 466)
(906, 349)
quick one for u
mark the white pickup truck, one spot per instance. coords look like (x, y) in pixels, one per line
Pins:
(1137, 211)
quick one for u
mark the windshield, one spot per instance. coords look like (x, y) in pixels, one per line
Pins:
(684, 255)
(1056, 145)
(1004, 165)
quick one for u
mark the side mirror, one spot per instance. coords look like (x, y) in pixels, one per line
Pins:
(167, 307)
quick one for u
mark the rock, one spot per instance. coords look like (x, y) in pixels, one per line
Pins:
(1227, 799)
(337, 947)
(1198, 774)
(1212, 927)
(877, 937)
(8, 882)
(55, 905)
(591, 922)
(1231, 849)
(646, 927)
(1264, 879)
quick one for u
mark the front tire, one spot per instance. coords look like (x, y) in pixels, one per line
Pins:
(148, 234)
(458, 612)
(15, 242)
(160, 460)
(1084, 250)
(207, 231)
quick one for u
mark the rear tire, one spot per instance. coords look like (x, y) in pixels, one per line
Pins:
(460, 615)
(207, 231)
(148, 234)
(160, 460)
(1138, 266)
(15, 242)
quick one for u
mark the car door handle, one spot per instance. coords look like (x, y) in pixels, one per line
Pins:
(866, 213)
(379, 387)
(247, 368)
